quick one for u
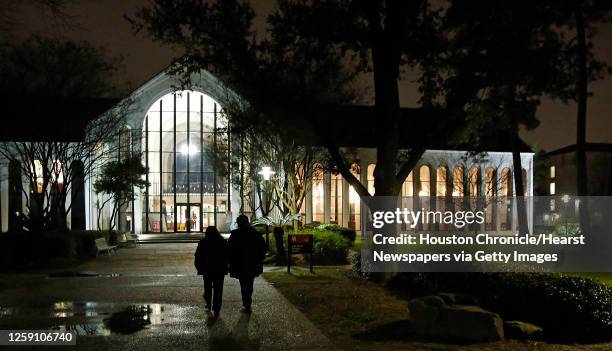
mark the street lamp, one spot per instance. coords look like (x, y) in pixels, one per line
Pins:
(565, 198)
(266, 172)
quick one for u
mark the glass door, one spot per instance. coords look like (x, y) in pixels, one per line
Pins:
(194, 218)
(182, 218)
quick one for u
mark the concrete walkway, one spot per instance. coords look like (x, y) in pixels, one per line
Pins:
(155, 286)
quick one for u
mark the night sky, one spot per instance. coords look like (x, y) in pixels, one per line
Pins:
(101, 23)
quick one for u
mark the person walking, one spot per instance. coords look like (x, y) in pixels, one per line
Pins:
(247, 251)
(211, 261)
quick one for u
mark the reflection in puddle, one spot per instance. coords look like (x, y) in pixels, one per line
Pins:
(97, 318)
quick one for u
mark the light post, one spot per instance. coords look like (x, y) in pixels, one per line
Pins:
(565, 198)
(267, 172)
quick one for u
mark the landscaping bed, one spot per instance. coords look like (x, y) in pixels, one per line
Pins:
(362, 315)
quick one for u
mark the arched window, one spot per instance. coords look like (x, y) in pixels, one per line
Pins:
(506, 180)
(424, 177)
(505, 217)
(458, 181)
(491, 181)
(182, 146)
(125, 143)
(371, 189)
(318, 204)
(407, 188)
(474, 179)
(441, 178)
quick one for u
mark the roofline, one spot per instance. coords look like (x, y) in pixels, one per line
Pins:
(590, 147)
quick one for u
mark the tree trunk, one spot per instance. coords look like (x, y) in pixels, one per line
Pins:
(518, 183)
(582, 95)
(386, 71)
(279, 237)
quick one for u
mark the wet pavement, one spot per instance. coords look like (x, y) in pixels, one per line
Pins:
(149, 298)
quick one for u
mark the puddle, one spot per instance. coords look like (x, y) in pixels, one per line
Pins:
(94, 318)
(69, 274)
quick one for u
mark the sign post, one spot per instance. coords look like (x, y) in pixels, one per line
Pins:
(299, 244)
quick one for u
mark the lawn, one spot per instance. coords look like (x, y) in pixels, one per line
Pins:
(358, 315)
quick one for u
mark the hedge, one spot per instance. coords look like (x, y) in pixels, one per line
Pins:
(568, 308)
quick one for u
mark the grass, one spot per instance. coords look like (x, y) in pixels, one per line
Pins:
(359, 315)
(604, 277)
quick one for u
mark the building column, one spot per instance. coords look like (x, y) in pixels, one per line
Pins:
(326, 197)
(416, 187)
(363, 210)
(308, 204)
(345, 203)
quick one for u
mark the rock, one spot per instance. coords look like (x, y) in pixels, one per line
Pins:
(449, 298)
(464, 299)
(469, 323)
(424, 311)
(458, 299)
(522, 330)
(431, 318)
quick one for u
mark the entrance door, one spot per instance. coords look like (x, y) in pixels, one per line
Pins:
(188, 218)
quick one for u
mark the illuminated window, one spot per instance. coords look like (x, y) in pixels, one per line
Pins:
(336, 199)
(38, 171)
(180, 132)
(552, 171)
(441, 181)
(552, 188)
(424, 178)
(458, 181)
(371, 189)
(407, 188)
(491, 182)
(506, 189)
(318, 195)
(474, 181)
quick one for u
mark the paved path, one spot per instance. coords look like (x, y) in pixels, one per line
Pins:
(154, 288)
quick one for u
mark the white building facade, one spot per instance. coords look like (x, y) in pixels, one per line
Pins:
(177, 131)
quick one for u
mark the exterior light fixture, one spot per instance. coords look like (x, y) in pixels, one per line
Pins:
(266, 172)
(188, 149)
(565, 198)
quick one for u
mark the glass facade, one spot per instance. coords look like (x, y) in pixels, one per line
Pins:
(182, 134)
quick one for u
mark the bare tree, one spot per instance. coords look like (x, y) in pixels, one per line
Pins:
(52, 169)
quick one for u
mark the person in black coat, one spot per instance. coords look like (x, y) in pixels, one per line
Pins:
(211, 261)
(247, 252)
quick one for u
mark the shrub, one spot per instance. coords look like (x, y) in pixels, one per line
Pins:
(347, 233)
(330, 248)
(22, 247)
(569, 229)
(568, 308)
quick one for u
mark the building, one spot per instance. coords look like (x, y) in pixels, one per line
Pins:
(561, 172)
(175, 130)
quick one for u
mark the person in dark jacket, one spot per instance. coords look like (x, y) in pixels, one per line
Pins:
(247, 252)
(211, 262)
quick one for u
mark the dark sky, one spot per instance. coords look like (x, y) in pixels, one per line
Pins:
(101, 23)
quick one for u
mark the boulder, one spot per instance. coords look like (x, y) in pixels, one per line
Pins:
(522, 331)
(424, 311)
(431, 317)
(469, 323)
(458, 299)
